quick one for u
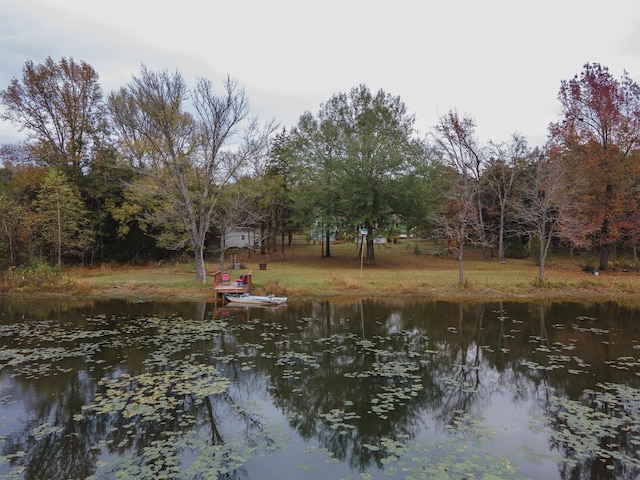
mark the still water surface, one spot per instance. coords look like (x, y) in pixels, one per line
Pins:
(361, 390)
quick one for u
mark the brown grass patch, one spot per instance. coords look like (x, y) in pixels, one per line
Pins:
(345, 282)
(273, 287)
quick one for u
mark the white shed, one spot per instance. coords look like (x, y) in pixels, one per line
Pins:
(242, 237)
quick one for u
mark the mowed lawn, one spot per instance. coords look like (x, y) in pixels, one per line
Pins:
(405, 269)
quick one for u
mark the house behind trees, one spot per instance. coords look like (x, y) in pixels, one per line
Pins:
(243, 237)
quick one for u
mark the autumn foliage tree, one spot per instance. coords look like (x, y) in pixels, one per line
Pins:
(461, 222)
(60, 107)
(20, 184)
(600, 135)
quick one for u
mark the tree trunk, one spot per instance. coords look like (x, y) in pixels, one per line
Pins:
(541, 266)
(282, 242)
(222, 248)
(10, 240)
(199, 258)
(371, 257)
(604, 257)
(262, 244)
(604, 244)
(545, 244)
(327, 250)
(483, 233)
(501, 235)
(460, 264)
(59, 249)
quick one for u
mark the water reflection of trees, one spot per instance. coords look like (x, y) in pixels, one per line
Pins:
(597, 435)
(348, 348)
(573, 406)
(69, 447)
(64, 449)
(351, 359)
(479, 350)
(345, 377)
(58, 441)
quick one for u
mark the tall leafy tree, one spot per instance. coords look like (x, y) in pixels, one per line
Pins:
(277, 187)
(318, 149)
(356, 153)
(62, 217)
(186, 155)
(7, 213)
(103, 188)
(427, 185)
(600, 135)
(60, 106)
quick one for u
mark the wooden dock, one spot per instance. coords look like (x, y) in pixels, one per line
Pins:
(223, 283)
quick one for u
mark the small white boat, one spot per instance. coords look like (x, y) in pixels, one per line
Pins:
(248, 299)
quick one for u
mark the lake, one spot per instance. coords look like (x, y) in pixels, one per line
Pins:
(370, 389)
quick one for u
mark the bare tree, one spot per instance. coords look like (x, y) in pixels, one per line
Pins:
(503, 170)
(459, 219)
(187, 160)
(543, 204)
(462, 221)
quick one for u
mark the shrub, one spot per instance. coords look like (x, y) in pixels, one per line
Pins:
(33, 277)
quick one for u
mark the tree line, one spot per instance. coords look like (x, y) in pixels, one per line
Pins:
(160, 167)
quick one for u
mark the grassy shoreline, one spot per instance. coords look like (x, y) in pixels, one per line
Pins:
(404, 270)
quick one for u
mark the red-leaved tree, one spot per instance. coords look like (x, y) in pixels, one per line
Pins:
(600, 134)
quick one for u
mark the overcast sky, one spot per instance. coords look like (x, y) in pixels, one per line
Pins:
(498, 61)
